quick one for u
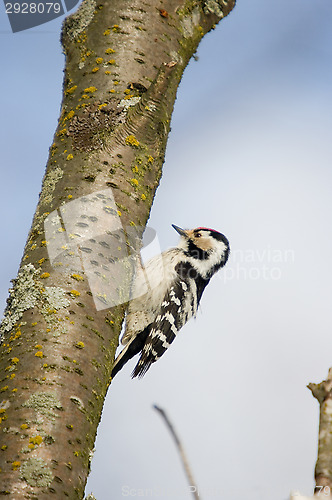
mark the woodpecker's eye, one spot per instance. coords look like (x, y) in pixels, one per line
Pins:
(198, 235)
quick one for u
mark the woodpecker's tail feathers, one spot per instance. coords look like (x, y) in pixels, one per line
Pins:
(130, 350)
(141, 368)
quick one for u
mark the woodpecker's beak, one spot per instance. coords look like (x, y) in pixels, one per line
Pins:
(178, 229)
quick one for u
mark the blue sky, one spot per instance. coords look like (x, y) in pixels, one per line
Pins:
(249, 154)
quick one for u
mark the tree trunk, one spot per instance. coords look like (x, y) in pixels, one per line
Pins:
(124, 62)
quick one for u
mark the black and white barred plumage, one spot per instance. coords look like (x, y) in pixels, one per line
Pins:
(167, 292)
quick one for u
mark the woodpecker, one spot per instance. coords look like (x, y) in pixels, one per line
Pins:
(166, 293)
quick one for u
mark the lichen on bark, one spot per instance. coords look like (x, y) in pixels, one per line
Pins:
(23, 296)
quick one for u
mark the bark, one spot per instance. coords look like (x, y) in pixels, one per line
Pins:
(124, 62)
(323, 470)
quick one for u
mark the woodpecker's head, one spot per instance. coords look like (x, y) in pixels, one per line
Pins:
(205, 245)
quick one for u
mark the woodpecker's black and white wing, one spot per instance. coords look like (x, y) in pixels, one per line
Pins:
(152, 283)
(179, 305)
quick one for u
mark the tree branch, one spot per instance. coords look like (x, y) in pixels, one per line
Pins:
(185, 463)
(323, 470)
(124, 62)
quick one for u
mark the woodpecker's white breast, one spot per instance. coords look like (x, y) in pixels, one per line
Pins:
(151, 284)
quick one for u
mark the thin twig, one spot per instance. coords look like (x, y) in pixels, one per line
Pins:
(192, 484)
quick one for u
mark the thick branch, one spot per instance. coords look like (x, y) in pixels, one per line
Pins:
(323, 471)
(124, 61)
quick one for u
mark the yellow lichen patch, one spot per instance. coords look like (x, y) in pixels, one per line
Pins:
(16, 465)
(90, 89)
(134, 182)
(62, 132)
(116, 28)
(107, 72)
(14, 361)
(44, 243)
(77, 277)
(70, 427)
(112, 91)
(116, 82)
(135, 169)
(143, 197)
(119, 213)
(38, 346)
(127, 91)
(70, 157)
(34, 324)
(49, 310)
(132, 141)
(13, 375)
(109, 51)
(40, 262)
(107, 32)
(2, 411)
(88, 53)
(4, 447)
(14, 390)
(69, 115)
(24, 426)
(99, 60)
(34, 247)
(45, 365)
(36, 440)
(69, 196)
(44, 276)
(102, 105)
(39, 354)
(150, 159)
(111, 61)
(4, 388)
(75, 293)
(71, 90)
(84, 96)
(94, 70)
(80, 345)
